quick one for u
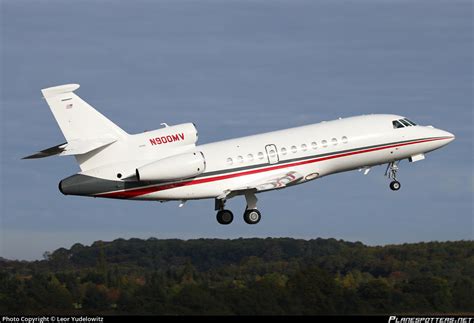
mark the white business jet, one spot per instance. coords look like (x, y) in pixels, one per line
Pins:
(166, 164)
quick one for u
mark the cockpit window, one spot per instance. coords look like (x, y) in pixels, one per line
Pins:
(402, 123)
(406, 124)
(397, 124)
(410, 122)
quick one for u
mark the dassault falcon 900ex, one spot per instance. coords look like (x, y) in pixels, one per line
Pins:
(166, 164)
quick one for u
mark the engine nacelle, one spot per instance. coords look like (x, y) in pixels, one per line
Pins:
(171, 168)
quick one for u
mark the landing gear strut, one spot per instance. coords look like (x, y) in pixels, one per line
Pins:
(391, 173)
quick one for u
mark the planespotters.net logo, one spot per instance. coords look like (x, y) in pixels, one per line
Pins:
(433, 319)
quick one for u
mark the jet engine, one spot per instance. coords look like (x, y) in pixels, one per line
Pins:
(175, 167)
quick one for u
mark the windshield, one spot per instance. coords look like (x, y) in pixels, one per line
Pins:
(402, 123)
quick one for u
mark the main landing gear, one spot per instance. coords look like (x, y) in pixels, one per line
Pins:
(225, 217)
(251, 214)
(391, 173)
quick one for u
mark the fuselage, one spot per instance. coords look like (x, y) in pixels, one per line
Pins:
(314, 151)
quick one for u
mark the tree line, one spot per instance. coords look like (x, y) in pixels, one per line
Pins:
(242, 276)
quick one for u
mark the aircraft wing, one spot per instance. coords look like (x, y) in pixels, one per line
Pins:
(73, 147)
(273, 182)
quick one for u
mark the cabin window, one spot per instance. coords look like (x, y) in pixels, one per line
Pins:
(324, 143)
(334, 141)
(304, 147)
(271, 153)
(397, 125)
(229, 161)
(283, 151)
(240, 159)
(250, 157)
(344, 140)
(294, 149)
(314, 145)
(260, 155)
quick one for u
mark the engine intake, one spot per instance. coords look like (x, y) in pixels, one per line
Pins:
(171, 168)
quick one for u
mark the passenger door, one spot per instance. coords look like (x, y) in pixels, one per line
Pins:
(272, 154)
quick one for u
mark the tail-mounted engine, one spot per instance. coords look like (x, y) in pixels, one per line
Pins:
(175, 167)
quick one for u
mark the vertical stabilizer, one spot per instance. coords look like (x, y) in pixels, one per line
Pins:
(76, 118)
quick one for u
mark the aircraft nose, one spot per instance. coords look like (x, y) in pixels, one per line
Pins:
(444, 136)
(449, 136)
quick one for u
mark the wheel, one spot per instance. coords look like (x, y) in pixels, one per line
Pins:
(224, 217)
(252, 216)
(395, 185)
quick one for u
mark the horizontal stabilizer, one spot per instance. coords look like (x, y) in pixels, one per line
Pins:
(57, 90)
(74, 147)
(48, 152)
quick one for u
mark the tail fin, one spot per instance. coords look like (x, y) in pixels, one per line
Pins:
(77, 119)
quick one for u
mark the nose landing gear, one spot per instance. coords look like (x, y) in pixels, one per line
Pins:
(395, 185)
(391, 173)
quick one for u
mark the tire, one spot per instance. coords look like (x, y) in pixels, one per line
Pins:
(395, 185)
(224, 217)
(252, 216)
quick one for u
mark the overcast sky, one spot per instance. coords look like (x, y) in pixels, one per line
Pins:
(236, 68)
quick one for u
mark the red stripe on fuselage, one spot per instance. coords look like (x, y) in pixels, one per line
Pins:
(161, 187)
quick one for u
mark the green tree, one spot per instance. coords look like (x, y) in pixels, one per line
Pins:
(377, 293)
(193, 299)
(434, 290)
(314, 291)
(463, 295)
(95, 298)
